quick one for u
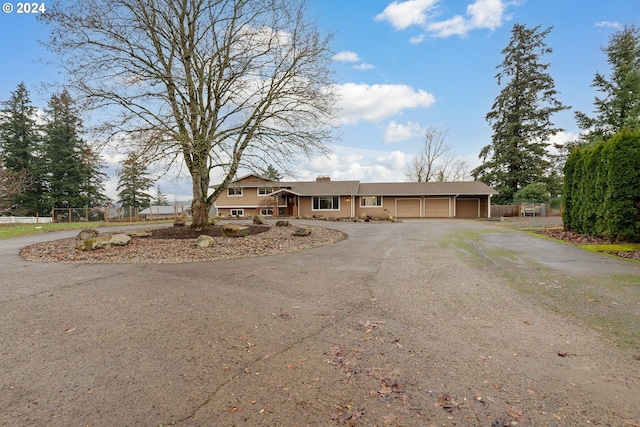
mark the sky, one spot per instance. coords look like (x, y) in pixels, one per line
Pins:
(402, 67)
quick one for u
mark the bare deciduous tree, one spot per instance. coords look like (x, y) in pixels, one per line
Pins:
(452, 169)
(11, 184)
(219, 84)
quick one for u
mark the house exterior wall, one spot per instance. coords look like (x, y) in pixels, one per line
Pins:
(344, 211)
(383, 211)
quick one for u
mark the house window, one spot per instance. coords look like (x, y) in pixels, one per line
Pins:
(266, 212)
(236, 212)
(264, 191)
(370, 201)
(234, 192)
(326, 203)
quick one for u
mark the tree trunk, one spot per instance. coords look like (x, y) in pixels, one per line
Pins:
(199, 206)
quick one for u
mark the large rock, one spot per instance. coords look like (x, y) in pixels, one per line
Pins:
(87, 234)
(301, 231)
(203, 241)
(103, 242)
(259, 220)
(282, 224)
(179, 222)
(233, 230)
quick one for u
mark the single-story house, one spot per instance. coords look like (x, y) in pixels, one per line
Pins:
(163, 212)
(253, 195)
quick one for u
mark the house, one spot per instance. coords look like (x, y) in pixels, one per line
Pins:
(163, 212)
(253, 195)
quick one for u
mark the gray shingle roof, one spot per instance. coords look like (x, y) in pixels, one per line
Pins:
(355, 188)
(425, 188)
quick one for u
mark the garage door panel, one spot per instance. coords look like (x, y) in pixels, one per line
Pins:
(436, 208)
(467, 208)
(408, 208)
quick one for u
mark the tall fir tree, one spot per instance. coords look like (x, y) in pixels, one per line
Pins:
(620, 105)
(133, 182)
(20, 148)
(72, 169)
(160, 199)
(521, 117)
(272, 173)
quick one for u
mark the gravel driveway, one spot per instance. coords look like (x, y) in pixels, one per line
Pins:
(419, 323)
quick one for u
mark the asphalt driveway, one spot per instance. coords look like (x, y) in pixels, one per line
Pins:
(417, 323)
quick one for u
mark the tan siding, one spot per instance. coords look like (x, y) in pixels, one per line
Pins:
(306, 209)
(437, 208)
(408, 208)
(467, 208)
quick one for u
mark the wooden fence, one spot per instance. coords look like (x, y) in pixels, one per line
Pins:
(504, 210)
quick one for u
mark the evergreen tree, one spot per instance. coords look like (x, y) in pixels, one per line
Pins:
(272, 173)
(620, 106)
(72, 169)
(19, 146)
(133, 182)
(160, 199)
(520, 117)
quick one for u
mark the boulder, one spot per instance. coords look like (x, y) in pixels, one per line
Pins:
(259, 220)
(233, 230)
(103, 242)
(214, 222)
(203, 241)
(282, 224)
(301, 231)
(87, 234)
(179, 222)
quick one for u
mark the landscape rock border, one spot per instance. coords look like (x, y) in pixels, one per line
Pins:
(276, 240)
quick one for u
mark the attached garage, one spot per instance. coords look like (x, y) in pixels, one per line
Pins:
(468, 208)
(408, 208)
(437, 208)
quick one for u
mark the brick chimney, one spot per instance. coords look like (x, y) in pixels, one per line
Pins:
(323, 178)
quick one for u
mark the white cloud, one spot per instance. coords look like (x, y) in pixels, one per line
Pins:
(346, 56)
(396, 132)
(374, 103)
(417, 39)
(609, 24)
(482, 14)
(405, 14)
(347, 163)
(364, 66)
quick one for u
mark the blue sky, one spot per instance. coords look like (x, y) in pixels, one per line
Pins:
(401, 67)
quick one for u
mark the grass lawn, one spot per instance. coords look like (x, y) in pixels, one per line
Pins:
(14, 230)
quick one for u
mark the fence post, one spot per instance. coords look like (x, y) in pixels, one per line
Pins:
(69, 214)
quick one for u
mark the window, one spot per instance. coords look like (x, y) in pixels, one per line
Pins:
(234, 192)
(370, 201)
(236, 212)
(266, 212)
(262, 191)
(326, 203)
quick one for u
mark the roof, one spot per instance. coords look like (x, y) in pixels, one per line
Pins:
(356, 188)
(471, 188)
(323, 188)
(161, 210)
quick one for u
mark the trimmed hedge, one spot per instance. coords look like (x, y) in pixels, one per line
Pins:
(602, 189)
